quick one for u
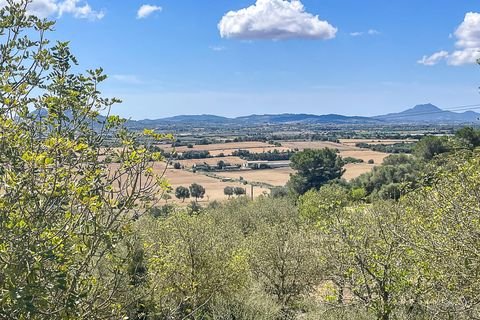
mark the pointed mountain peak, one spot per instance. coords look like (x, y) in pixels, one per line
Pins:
(425, 108)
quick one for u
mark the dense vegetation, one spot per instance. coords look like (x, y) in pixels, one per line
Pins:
(79, 238)
(402, 147)
(274, 155)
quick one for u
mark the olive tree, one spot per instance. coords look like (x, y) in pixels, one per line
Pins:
(197, 191)
(228, 191)
(182, 193)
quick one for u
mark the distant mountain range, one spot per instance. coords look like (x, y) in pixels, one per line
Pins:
(430, 114)
(269, 119)
(425, 113)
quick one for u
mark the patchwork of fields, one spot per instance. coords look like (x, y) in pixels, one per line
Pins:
(262, 180)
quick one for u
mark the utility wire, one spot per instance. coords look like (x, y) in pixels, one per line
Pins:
(451, 109)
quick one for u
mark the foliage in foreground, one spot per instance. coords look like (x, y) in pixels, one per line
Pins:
(329, 256)
(65, 209)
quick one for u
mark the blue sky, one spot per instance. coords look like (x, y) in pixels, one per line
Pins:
(357, 58)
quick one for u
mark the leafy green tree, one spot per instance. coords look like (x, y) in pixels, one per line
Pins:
(285, 256)
(314, 169)
(65, 209)
(429, 147)
(221, 164)
(228, 191)
(397, 175)
(182, 193)
(239, 191)
(137, 308)
(194, 208)
(364, 250)
(442, 222)
(177, 165)
(197, 191)
(279, 192)
(194, 260)
(469, 137)
(166, 197)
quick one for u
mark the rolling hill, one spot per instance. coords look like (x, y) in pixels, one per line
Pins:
(424, 113)
(428, 113)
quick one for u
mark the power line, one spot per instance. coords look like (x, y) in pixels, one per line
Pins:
(451, 109)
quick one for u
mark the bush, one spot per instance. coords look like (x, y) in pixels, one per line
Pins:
(162, 211)
(279, 192)
(239, 191)
(352, 160)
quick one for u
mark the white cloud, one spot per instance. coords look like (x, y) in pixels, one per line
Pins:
(467, 44)
(370, 32)
(356, 34)
(46, 8)
(275, 19)
(218, 48)
(83, 11)
(146, 10)
(433, 59)
(127, 78)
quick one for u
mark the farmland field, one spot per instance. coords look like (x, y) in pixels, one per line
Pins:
(214, 187)
(223, 146)
(365, 155)
(212, 161)
(353, 142)
(274, 177)
(302, 145)
(215, 182)
(354, 170)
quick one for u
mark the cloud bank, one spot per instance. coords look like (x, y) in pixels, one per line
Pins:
(275, 19)
(467, 44)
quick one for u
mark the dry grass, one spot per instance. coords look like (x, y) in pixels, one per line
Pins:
(365, 155)
(214, 187)
(212, 161)
(354, 170)
(274, 177)
(302, 145)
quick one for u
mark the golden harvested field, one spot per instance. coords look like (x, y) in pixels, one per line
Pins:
(274, 177)
(353, 142)
(212, 161)
(214, 187)
(280, 176)
(302, 145)
(365, 155)
(354, 170)
(220, 147)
